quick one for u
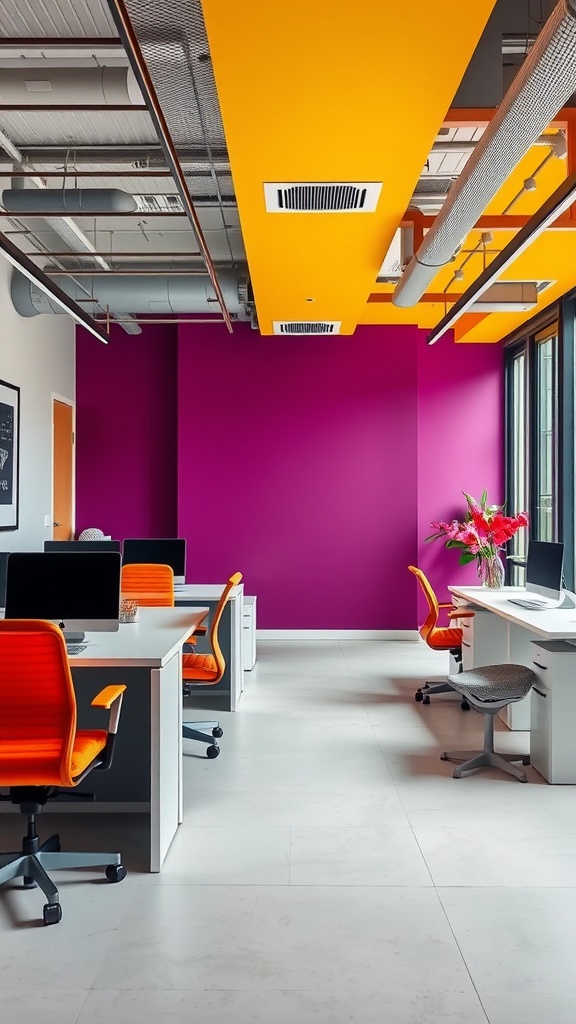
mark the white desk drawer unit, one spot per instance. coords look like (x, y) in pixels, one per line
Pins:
(553, 719)
(249, 633)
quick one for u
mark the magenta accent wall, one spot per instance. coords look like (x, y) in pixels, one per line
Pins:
(126, 423)
(313, 465)
(460, 445)
(306, 481)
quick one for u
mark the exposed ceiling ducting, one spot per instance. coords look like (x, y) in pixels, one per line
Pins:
(545, 81)
(160, 294)
(78, 86)
(68, 200)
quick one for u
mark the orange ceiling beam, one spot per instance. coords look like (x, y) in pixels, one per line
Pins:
(329, 92)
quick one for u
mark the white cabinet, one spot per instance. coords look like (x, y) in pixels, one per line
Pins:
(249, 633)
(553, 720)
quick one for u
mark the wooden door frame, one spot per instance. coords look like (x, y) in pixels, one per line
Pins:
(54, 397)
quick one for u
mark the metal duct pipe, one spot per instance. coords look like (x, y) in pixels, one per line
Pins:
(67, 200)
(59, 86)
(545, 81)
(155, 295)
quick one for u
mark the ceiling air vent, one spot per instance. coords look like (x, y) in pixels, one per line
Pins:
(322, 196)
(306, 326)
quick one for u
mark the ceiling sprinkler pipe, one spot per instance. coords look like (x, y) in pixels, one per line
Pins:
(544, 83)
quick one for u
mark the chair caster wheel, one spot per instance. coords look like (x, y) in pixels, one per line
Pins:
(29, 883)
(52, 913)
(418, 696)
(217, 732)
(426, 699)
(116, 872)
(465, 705)
(212, 751)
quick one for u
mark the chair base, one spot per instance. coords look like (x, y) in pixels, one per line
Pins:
(33, 869)
(486, 759)
(422, 695)
(204, 732)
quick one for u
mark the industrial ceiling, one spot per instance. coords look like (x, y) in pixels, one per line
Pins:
(218, 122)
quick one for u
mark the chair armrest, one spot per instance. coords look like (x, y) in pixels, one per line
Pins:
(111, 697)
(461, 613)
(200, 630)
(446, 604)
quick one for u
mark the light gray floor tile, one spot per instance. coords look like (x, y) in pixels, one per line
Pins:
(356, 856)
(295, 937)
(319, 767)
(413, 1006)
(499, 856)
(224, 855)
(323, 656)
(530, 1008)
(515, 940)
(25, 1005)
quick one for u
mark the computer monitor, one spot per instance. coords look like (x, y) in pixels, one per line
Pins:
(544, 568)
(81, 545)
(3, 571)
(166, 551)
(76, 591)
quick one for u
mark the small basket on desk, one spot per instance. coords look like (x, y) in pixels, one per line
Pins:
(129, 610)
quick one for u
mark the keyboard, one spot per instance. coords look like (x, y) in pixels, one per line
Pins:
(75, 648)
(527, 603)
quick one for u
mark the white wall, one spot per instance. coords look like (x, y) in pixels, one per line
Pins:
(38, 354)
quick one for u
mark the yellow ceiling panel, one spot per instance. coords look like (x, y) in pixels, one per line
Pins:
(328, 90)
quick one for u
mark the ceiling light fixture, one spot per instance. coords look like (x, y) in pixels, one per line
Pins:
(24, 264)
(553, 208)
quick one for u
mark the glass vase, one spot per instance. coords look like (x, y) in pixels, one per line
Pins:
(491, 571)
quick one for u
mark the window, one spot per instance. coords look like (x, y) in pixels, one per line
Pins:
(533, 443)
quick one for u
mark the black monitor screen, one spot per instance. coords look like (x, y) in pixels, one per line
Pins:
(544, 564)
(81, 545)
(63, 587)
(3, 571)
(169, 551)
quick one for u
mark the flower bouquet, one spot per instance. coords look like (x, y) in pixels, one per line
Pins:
(480, 536)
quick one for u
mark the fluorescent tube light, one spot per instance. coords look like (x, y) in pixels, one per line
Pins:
(558, 202)
(24, 264)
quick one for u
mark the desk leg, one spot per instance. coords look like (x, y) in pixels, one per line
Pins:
(166, 759)
(237, 659)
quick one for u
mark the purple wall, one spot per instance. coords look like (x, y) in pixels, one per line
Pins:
(314, 466)
(306, 479)
(460, 445)
(126, 453)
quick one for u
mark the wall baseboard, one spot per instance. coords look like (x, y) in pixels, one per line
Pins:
(102, 807)
(337, 634)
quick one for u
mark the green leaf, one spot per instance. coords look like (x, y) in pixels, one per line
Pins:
(434, 536)
(483, 500)
(466, 557)
(469, 498)
(456, 544)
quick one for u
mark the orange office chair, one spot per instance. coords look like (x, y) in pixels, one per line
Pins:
(153, 585)
(42, 753)
(207, 670)
(439, 638)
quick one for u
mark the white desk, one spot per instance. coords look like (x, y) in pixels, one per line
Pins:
(147, 768)
(502, 632)
(229, 635)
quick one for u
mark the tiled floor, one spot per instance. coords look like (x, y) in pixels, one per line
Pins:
(329, 871)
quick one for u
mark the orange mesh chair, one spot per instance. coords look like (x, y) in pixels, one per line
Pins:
(207, 670)
(150, 584)
(439, 638)
(42, 752)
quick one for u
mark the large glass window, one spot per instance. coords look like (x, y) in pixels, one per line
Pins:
(533, 442)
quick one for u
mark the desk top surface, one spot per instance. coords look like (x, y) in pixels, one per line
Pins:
(204, 592)
(555, 624)
(150, 642)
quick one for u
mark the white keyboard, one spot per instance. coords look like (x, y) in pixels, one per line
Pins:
(527, 603)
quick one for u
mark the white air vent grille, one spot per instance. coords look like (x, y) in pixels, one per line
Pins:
(306, 326)
(322, 196)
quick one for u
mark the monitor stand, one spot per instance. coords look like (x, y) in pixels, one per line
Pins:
(72, 636)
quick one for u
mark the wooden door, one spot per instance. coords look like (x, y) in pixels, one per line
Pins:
(63, 461)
